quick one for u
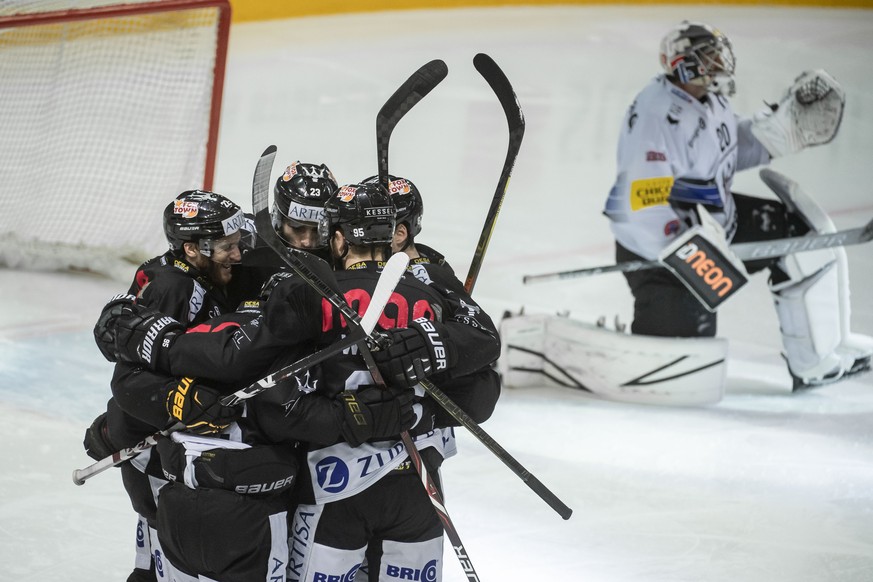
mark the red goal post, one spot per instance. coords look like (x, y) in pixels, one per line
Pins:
(109, 110)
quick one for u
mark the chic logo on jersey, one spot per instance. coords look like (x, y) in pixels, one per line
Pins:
(650, 192)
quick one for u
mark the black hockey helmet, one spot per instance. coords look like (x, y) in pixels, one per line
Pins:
(407, 199)
(200, 216)
(363, 212)
(696, 53)
(300, 194)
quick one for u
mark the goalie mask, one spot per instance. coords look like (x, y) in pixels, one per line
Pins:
(364, 213)
(300, 194)
(407, 199)
(201, 217)
(698, 54)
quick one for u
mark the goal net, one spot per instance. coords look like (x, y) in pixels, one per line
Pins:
(109, 110)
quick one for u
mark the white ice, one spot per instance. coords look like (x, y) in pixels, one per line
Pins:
(765, 486)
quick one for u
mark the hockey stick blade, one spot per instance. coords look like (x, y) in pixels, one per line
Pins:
(744, 251)
(515, 120)
(413, 90)
(261, 180)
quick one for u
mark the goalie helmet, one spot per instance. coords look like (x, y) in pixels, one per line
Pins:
(698, 54)
(201, 217)
(300, 194)
(407, 199)
(364, 213)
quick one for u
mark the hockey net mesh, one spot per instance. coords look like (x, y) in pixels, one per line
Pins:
(105, 120)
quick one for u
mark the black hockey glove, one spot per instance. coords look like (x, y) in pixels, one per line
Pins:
(142, 334)
(260, 470)
(414, 353)
(104, 330)
(374, 413)
(96, 441)
(199, 407)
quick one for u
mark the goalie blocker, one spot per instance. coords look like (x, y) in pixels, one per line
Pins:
(711, 274)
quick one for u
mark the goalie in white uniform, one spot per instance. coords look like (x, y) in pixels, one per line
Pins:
(680, 145)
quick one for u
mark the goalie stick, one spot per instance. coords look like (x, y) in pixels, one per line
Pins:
(515, 120)
(744, 251)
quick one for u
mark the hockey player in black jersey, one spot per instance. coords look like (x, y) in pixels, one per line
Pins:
(324, 408)
(186, 283)
(298, 204)
(476, 393)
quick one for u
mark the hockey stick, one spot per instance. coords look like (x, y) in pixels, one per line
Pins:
(413, 90)
(404, 98)
(118, 457)
(515, 119)
(744, 251)
(394, 109)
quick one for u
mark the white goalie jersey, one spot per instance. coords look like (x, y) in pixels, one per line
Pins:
(667, 134)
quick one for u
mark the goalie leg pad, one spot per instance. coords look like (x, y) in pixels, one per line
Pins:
(521, 361)
(613, 365)
(806, 291)
(808, 114)
(794, 302)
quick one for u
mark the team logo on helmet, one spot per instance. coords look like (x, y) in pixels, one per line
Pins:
(290, 172)
(347, 193)
(186, 208)
(399, 186)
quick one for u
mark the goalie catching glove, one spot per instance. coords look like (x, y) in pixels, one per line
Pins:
(413, 353)
(199, 407)
(374, 413)
(808, 114)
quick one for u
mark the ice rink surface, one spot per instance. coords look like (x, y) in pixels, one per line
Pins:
(765, 486)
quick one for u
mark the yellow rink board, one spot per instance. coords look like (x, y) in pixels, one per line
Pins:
(250, 10)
